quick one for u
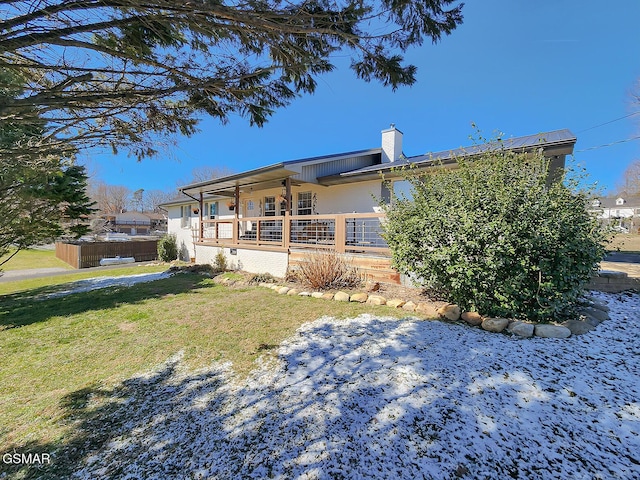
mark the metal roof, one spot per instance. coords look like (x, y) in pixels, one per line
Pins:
(557, 142)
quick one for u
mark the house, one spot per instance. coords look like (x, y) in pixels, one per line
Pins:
(136, 223)
(265, 219)
(622, 212)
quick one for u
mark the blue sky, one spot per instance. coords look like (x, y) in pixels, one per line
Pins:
(513, 66)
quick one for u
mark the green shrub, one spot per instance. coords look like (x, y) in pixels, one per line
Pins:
(262, 278)
(220, 262)
(168, 248)
(495, 236)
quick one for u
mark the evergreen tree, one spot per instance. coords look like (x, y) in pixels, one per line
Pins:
(41, 198)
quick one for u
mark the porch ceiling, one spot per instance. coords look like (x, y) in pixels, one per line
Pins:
(270, 177)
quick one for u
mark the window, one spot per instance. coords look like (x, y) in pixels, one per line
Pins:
(211, 209)
(184, 216)
(304, 203)
(269, 206)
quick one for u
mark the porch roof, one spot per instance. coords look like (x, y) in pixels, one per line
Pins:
(557, 142)
(269, 176)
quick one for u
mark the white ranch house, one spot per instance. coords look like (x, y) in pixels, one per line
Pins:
(265, 220)
(621, 211)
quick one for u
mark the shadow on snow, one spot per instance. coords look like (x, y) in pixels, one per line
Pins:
(370, 398)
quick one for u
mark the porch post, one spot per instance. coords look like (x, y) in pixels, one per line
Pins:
(201, 218)
(235, 221)
(287, 213)
(287, 185)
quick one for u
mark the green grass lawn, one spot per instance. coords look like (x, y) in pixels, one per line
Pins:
(33, 258)
(61, 357)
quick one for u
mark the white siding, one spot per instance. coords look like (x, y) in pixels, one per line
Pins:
(252, 261)
(183, 234)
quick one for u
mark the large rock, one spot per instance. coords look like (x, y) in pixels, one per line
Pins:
(327, 296)
(293, 291)
(283, 290)
(341, 297)
(395, 303)
(552, 331)
(450, 312)
(359, 297)
(427, 310)
(317, 294)
(472, 318)
(376, 300)
(494, 324)
(578, 327)
(601, 306)
(522, 329)
(409, 306)
(594, 313)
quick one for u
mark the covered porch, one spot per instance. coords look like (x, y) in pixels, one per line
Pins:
(289, 206)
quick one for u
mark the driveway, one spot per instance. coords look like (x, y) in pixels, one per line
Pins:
(16, 275)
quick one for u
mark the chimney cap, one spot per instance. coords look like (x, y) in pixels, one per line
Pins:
(392, 128)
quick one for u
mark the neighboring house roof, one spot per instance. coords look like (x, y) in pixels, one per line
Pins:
(364, 165)
(557, 142)
(158, 216)
(611, 202)
(137, 217)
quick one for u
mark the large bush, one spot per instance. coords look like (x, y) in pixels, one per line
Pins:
(168, 248)
(495, 236)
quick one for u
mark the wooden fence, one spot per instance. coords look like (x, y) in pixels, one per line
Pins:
(89, 254)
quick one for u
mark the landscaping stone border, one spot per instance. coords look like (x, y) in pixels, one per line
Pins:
(590, 314)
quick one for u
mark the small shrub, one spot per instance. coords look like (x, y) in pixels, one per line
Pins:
(262, 278)
(220, 262)
(496, 236)
(168, 248)
(324, 270)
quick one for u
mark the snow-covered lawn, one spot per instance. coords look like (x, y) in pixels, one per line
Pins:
(374, 397)
(91, 284)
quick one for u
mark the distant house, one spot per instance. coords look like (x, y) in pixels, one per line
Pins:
(265, 219)
(620, 211)
(136, 223)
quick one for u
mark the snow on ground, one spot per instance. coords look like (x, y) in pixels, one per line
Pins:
(375, 397)
(104, 282)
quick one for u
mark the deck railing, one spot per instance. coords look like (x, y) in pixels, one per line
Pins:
(350, 232)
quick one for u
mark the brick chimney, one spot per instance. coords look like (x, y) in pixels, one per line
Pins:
(391, 144)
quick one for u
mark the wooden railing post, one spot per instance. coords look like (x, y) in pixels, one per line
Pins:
(341, 233)
(286, 229)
